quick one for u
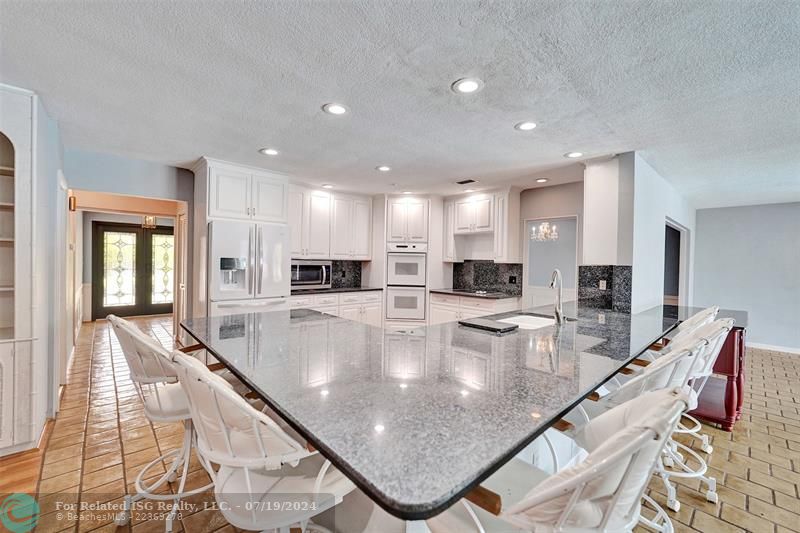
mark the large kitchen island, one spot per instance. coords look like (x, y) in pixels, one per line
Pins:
(419, 418)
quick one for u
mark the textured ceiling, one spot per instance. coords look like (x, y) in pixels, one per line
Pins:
(707, 90)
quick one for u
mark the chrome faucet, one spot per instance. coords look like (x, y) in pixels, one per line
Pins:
(556, 283)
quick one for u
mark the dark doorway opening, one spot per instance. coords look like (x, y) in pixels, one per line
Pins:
(133, 268)
(672, 265)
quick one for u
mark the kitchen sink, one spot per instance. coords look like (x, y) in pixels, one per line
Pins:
(529, 321)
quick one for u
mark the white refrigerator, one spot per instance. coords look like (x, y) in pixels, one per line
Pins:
(249, 267)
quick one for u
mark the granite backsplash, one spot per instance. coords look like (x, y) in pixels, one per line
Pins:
(345, 274)
(488, 276)
(617, 294)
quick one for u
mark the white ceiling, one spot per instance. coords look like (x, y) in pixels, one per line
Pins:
(706, 89)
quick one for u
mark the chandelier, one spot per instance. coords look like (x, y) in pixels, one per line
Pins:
(545, 232)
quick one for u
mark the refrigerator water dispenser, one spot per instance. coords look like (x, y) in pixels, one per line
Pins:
(234, 271)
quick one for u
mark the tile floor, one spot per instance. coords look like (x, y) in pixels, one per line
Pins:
(101, 439)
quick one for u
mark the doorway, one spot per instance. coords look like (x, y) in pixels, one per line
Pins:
(551, 243)
(672, 265)
(134, 269)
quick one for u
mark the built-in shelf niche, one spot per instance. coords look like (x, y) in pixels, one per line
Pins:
(7, 212)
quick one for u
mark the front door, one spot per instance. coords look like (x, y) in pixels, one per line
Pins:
(132, 270)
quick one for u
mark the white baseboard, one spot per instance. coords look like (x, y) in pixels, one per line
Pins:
(772, 347)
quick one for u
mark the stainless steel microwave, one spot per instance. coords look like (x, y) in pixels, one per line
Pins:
(311, 274)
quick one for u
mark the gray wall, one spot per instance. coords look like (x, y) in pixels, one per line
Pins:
(672, 261)
(555, 201)
(749, 258)
(93, 171)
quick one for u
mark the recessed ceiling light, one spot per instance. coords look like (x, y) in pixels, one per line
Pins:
(383, 168)
(407, 192)
(467, 85)
(269, 151)
(334, 109)
(324, 392)
(524, 126)
(573, 155)
(327, 186)
(379, 428)
(542, 180)
(469, 190)
(464, 392)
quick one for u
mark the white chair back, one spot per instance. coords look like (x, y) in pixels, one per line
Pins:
(230, 431)
(673, 369)
(701, 318)
(149, 363)
(603, 493)
(715, 335)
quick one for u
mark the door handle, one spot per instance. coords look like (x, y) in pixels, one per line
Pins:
(260, 258)
(250, 259)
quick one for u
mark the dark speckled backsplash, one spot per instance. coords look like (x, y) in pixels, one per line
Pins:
(346, 274)
(488, 276)
(617, 294)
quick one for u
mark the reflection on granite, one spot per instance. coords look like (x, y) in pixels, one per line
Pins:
(488, 276)
(300, 292)
(417, 418)
(489, 295)
(682, 312)
(345, 274)
(617, 294)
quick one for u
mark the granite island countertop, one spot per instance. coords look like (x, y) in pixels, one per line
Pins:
(418, 418)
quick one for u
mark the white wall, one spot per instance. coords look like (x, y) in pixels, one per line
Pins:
(656, 201)
(748, 258)
(49, 295)
(607, 209)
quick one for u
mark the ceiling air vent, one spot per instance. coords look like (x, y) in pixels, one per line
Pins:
(465, 182)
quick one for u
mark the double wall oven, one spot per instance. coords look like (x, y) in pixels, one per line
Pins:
(406, 267)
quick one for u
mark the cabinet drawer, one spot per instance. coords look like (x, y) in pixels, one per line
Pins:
(299, 302)
(444, 298)
(350, 298)
(326, 299)
(477, 303)
(372, 296)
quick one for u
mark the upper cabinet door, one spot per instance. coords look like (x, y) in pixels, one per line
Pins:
(417, 220)
(483, 214)
(342, 228)
(464, 216)
(362, 228)
(297, 207)
(318, 225)
(229, 193)
(449, 237)
(398, 219)
(268, 200)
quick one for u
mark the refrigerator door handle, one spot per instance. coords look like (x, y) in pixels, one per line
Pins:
(250, 264)
(275, 301)
(260, 258)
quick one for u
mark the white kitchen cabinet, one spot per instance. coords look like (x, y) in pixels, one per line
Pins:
(6, 394)
(451, 307)
(245, 194)
(408, 220)
(449, 241)
(229, 193)
(310, 223)
(351, 228)
(268, 198)
(359, 306)
(474, 214)
(507, 232)
(405, 356)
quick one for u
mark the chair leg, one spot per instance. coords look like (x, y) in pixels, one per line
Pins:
(179, 457)
(660, 522)
(685, 471)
